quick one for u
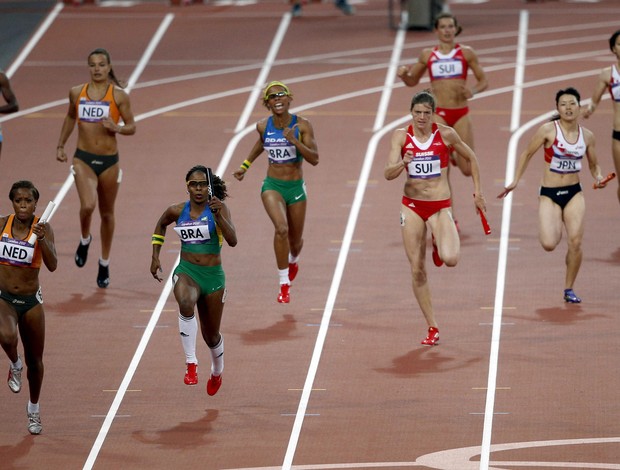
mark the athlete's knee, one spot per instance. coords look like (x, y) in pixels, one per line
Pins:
(281, 230)
(418, 276)
(87, 208)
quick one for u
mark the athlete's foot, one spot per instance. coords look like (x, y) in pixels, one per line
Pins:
(570, 297)
(214, 384)
(432, 338)
(191, 374)
(81, 254)
(284, 296)
(103, 276)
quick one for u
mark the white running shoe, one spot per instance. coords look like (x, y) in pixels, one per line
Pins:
(15, 379)
(34, 423)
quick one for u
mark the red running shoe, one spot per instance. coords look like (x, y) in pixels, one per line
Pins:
(214, 384)
(191, 375)
(284, 296)
(433, 337)
(436, 259)
(292, 271)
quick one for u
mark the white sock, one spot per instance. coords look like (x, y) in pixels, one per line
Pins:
(293, 259)
(217, 357)
(18, 364)
(283, 273)
(188, 328)
(86, 241)
(104, 262)
(33, 407)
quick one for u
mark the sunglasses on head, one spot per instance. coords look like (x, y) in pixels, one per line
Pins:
(280, 94)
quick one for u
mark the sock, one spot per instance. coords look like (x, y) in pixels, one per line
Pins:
(33, 407)
(283, 273)
(217, 357)
(85, 241)
(292, 259)
(188, 328)
(104, 262)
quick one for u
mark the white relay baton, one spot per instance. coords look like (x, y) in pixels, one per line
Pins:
(46, 215)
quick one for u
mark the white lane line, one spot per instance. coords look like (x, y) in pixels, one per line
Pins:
(340, 265)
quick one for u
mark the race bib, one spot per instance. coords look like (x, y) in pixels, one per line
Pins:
(424, 167)
(93, 111)
(565, 164)
(16, 252)
(193, 233)
(447, 68)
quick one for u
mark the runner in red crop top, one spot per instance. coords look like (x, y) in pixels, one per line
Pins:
(448, 65)
(609, 81)
(422, 152)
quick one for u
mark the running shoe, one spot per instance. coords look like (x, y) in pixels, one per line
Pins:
(214, 384)
(293, 268)
(191, 374)
(343, 6)
(81, 254)
(436, 259)
(103, 276)
(296, 10)
(570, 297)
(432, 338)
(284, 296)
(15, 379)
(34, 422)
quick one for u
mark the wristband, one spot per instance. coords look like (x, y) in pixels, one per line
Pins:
(157, 239)
(246, 164)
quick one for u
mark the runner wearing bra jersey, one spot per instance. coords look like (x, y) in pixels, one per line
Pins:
(422, 152)
(288, 140)
(609, 80)
(202, 223)
(561, 202)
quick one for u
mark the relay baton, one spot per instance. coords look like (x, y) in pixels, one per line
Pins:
(46, 215)
(605, 180)
(485, 224)
(210, 183)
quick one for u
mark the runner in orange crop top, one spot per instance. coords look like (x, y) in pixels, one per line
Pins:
(21, 300)
(97, 107)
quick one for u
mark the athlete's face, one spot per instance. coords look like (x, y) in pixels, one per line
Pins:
(197, 186)
(422, 116)
(446, 29)
(278, 99)
(99, 67)
(24, 204)
(568, 107)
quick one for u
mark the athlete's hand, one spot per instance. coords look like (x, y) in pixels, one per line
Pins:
(239, 173)
(506, 190)
(61, 156)
(156, 268)
(289, 133)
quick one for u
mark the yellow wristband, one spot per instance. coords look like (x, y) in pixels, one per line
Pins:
(246, 164)
(157, 239)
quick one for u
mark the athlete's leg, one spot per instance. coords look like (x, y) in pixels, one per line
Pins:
(549, 223)
(8, 330)
(574, 216)
(107, 191)
(414, 241)
(465, 129)
(276, 210)
(615, 152)
(32, 334)
(446, 236)
(296, 214)
(86, 185)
